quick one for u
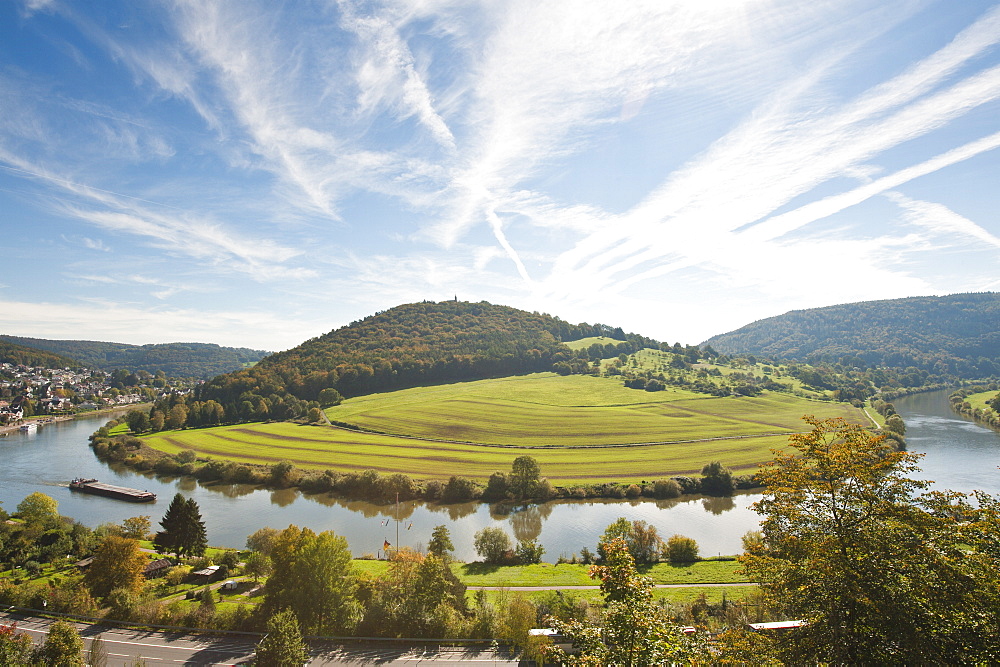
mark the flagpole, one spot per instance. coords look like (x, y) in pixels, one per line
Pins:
(397, 521)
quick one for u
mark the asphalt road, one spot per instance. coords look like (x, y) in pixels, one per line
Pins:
(159, 648)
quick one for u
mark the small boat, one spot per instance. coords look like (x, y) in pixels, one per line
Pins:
(111, 491)
(29, 427)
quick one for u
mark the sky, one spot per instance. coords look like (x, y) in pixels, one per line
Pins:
(255, 174)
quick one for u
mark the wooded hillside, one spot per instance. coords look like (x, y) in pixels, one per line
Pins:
(24, 355)
(958, 334)
(203, 360)
(416, 344)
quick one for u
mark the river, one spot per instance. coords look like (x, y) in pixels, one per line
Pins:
(959, 454)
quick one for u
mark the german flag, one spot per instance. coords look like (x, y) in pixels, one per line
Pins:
(385, 545)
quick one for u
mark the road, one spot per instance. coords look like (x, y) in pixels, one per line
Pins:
(123, 646)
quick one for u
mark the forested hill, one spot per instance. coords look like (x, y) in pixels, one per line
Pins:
(202, 360)
(957, 334)
(417, 344)
(13, 353)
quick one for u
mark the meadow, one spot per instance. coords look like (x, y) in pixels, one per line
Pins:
(580, 429)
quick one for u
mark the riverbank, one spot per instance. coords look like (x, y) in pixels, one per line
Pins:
(974, 403)
(40, 421)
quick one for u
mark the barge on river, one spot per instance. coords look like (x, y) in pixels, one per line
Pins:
(111, 491)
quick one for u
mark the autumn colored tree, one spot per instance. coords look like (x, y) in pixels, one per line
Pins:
(15, 647)
(136, 527)
(118, 563)
(882, 571)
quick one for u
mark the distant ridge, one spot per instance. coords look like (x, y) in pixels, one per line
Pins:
(24, 355)
(202, 360)
(958, 334)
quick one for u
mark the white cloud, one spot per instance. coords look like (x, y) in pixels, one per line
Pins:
(942, 221)
(783, 151)
(106, 320)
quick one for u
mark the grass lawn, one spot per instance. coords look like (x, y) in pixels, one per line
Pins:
(566, 574)
(566, 423)
(713, 594)
(979, 400)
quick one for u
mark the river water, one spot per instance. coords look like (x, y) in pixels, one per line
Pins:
(959, 455)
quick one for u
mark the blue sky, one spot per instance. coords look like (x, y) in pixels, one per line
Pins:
(259, 173)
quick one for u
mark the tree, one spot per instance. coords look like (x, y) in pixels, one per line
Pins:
(136, 527)
(38, 508)
(63, 647)
(717, 480)
(257, 565)
(138, 421)
(440, 544)
(882, 571)
(493, 544)
(524, 476)
(634, 630)
(262, 540)
(642, 539)
(329, 397)
(97, 653)
(183, 530)
(15, 647)
(118, 563)
(313, 577)
(282, 646)
(177, 417)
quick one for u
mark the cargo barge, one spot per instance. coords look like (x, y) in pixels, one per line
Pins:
(111, 491)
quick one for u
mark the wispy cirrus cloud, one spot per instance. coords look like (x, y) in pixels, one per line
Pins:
(178, 231)
(784, 151)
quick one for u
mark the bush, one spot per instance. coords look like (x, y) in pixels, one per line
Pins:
(529, 552)
(680, 549)
(666, 488)
(688, 484)
(460, 489)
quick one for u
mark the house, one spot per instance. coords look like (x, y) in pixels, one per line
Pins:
(156, 568)
(208, 572)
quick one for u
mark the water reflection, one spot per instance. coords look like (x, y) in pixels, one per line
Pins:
(527, 521)
(284, 497)
(717, 505)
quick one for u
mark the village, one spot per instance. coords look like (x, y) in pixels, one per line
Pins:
(30, 396)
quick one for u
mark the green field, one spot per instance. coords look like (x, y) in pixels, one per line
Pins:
(567, 423)
(979, 400)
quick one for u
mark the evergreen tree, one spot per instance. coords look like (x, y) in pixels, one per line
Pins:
(440, 544)
(183, 530)
(167, 539)
(194, 536)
